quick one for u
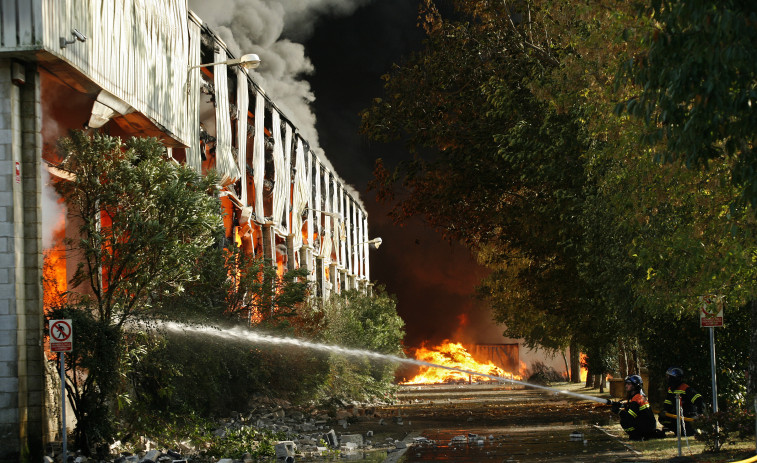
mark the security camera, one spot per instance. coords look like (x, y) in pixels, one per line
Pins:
(79, 36)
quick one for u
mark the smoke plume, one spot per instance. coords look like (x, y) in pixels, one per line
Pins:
(269, 28)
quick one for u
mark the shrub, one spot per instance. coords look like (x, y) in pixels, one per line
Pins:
(725, 427)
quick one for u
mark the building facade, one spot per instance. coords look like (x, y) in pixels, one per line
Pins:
(131, 68)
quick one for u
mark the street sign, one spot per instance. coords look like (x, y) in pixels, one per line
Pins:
(60, 336)
(711, 311)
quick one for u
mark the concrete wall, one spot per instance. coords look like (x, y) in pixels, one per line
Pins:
(22, 415)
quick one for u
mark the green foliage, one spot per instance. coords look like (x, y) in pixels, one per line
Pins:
(212, 377)
(361, 321)
(719, 429)
(169, 429)
(259, 443)
(143, 223)
(677, 340)
(695, 84)
(495, 167)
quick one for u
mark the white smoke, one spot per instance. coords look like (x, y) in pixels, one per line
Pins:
(258, 26)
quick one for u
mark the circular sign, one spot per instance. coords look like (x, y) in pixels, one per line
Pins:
(60, 331)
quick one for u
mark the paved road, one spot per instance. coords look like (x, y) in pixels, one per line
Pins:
(479, 423)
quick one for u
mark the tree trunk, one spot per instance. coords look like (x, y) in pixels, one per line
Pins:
(589, 380)
(752, 385)
(575, 363)
(597, 381)
(567, 369)
(622, 358)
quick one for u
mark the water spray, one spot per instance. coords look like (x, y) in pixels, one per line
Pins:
(246, 335)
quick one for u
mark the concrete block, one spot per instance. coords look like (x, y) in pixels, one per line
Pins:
(9, 415)
(6, 198)
(8, 385)
(7, 260)
(8, 320)
(285, 449)
(331, 439)
(6, 136)
(151, 456)
(4, 307)
(8, 400)
(355, 438)
(8, 351)
(8, 368)
(6, 230)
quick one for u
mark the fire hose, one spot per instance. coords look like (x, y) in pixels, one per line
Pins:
(669, 415)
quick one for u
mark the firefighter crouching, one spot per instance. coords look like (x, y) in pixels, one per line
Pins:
(636, 417)
(691, 403)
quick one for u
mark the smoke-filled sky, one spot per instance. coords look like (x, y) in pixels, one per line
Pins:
(321, 63)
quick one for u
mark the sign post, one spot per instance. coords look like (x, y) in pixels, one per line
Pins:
(61, 341)
(711, 316)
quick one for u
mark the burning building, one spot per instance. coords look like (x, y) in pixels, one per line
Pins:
(146, 68)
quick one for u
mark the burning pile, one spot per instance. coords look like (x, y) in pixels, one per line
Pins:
(454, 355)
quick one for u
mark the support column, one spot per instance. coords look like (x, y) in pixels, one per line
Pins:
(269, 248)
(320, 278)
(343, 280)
(334, 278)
(306, 259)
(290, 252)
(22, 375)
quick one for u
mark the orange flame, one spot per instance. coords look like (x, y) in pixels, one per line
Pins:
(54, 283)
(584, 369)
(454, 355)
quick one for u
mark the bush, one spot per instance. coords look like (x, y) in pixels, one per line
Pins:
(361, 321)
(721, 428)
(543, 374)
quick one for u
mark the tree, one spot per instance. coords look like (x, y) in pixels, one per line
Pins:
(143, 223)
(362, 321)
(695, 87)
(494, 166)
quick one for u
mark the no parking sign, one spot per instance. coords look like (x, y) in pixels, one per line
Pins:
(61, 336)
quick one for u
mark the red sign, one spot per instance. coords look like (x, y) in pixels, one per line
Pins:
(60, 336)
(711, 311)
(18, 172)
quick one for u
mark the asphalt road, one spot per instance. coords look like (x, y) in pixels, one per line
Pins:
(485, 422)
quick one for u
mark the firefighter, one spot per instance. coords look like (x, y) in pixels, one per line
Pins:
(636, 417)
(691, 403)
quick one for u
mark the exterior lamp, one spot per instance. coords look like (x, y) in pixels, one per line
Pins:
(375, 242)
(248, 61)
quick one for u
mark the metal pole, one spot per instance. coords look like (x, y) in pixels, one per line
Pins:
(714, 377)
(714, 385)
(678, 422)
(63, 403)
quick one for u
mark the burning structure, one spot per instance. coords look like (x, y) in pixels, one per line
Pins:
(147, 68)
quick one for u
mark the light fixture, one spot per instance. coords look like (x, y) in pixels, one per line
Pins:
(77, 36)
(375, 242)
(248, 61)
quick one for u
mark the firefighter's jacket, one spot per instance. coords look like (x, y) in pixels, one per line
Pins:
(636, 417)
(691, 407)
(691, 401)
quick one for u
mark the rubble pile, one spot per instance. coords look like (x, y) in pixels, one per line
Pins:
(309, 433)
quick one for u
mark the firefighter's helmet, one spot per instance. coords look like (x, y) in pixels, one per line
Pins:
(674, 376)
(636, 381)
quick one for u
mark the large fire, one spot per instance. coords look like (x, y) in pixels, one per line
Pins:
(454, 355)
